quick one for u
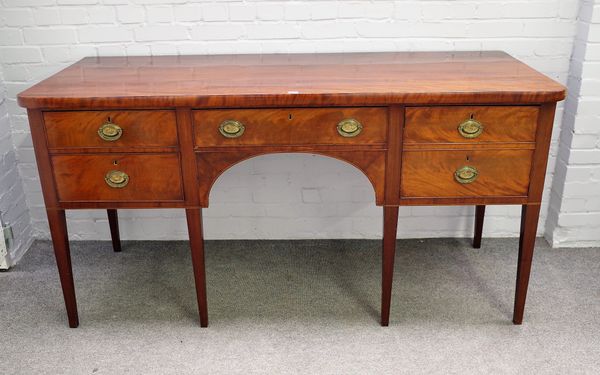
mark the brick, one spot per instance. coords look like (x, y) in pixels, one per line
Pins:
(269, 11)
(16, 17)
(50, 36)
(101, 14)
(296, 11)
(131, 14)
(159, 14)
(187, 13)
(73, 16)
(46, 16)
(215, 12)
(210, 31)
(323, 10)
(272, 31)
(10, 37)
(103, 34)
(11, 55)
(152, 33)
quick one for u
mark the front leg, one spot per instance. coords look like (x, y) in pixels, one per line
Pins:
(194, 221)
(479, 216)
(529, 222)
(60, 241)
(390, 227)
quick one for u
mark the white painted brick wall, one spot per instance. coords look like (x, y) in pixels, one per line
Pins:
(574, 215)
(12, 196)
(290, 196)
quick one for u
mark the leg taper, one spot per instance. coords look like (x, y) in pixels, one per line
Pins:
(390, 227)
(113, 223)
(529, 221)
(194, 221)
(479, 215)
(60, 242)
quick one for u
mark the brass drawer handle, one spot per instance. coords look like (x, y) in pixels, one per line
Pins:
(466, 174)
(110, 132)
(231, 129)
(349, 127)
(116, 179)
(470, 128)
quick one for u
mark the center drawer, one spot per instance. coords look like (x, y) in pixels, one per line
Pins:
(291, 126)
(118, 177)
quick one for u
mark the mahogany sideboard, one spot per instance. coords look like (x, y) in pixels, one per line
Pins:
(426, 128)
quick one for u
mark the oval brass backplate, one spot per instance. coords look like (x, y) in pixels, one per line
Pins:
(231, 129)
(116, 179)
(110, 132)
(349, 127)
(466, 174)
(470, 128)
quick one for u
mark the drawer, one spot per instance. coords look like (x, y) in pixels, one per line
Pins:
(118, 177)
(472, 124)
(292, 126)
(111, 129)
(460, 173)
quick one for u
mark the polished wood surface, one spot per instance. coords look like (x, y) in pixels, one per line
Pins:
(152, 177)
(410, 105)
(290, 126)
(431, 173)
(79, 129)
(500, 124)
(293, 80)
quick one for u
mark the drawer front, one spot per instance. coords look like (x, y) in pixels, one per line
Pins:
(470, 124)
(111, 129)
(152, 177)
(460, 173)
(292, 126)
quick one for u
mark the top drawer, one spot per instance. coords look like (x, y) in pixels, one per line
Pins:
(97, 129)
(472, 124)
(291, 126)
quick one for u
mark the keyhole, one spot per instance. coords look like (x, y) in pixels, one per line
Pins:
(290, 116)
(115, 162)
(468, 158)
(108, 119)
(472, 116)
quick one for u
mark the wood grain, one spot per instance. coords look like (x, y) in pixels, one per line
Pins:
(140, 129)
(152, 177)
(290, 126)
(431, 173)
(500, 124)
(342, 79)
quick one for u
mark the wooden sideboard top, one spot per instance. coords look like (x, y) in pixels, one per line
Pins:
(293, 80)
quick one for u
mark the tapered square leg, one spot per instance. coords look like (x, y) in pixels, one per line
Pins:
(60, 241)
(113, 223)
(390, 227)
(194, 221)
(479, 215)
(529, 222)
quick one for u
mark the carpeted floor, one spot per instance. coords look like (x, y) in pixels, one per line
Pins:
(302, 307)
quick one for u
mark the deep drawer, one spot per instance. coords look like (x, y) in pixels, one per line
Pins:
(97, 129)
(118, 177)
(292, 126)
(459, 173)
(470, 124)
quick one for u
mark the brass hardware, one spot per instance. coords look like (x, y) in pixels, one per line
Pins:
(110, 132)
(466, 174)
(349, 127)
(231, 129)
(116, 179)
(470, 128)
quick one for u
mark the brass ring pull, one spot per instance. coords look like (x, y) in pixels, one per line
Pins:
(116, 179)
(349, 127)
(466, 174)
(110, 132)
(231, 129)
(470, 128)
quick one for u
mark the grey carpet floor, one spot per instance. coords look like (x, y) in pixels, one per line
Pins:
(302, 307)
